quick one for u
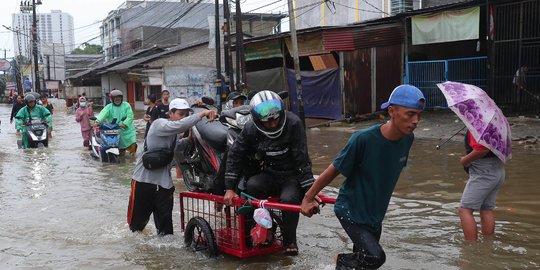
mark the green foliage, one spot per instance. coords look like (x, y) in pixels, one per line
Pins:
(88, 49)
(22, 60)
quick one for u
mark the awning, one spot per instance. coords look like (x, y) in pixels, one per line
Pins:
(308, 44)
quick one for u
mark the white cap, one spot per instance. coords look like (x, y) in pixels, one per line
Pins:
(179, 104)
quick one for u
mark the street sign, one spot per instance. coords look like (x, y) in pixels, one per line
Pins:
(4, 65)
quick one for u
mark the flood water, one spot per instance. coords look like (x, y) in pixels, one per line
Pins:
(60, 209)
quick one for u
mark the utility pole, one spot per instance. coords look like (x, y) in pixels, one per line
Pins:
(26, 7)
(218, 81)
(296, 61)
(16, 59)
(241, 79)
(227, 44)
(18, 75)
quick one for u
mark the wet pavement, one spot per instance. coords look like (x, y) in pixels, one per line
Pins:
(61, 209)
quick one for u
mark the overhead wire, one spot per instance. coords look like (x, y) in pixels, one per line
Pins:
(359, 9)
(122, 11)
(174, 21)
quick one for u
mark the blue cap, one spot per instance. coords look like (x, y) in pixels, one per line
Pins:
(407, 96)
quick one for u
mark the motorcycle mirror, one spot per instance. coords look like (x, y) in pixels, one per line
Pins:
(208, 100)
(283, 94)
(93, 118)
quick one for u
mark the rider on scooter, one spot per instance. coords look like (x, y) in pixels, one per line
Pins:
(279, 139)
(119, 109)
(32, 110)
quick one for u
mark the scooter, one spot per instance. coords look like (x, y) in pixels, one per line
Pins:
(104, 142)
(36, 133)
(202, 156)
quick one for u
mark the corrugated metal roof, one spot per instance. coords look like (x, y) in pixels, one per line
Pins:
(138, 61)
(378, 37)
(338, 40)
(116, 61)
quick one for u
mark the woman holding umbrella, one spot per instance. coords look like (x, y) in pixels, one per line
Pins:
(488, 145)
(486, 174)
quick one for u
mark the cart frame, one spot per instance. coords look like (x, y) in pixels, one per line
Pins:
(206, 220)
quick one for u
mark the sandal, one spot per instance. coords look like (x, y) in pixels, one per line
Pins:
(291, 250)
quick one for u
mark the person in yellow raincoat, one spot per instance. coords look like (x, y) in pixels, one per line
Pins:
(32, 110)
(122, 112)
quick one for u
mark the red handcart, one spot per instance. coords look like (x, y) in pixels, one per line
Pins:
(210, 226)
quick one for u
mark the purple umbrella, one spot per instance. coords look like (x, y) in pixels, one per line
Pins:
(481, 115)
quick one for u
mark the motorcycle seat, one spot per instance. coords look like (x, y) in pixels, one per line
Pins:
(214, 134)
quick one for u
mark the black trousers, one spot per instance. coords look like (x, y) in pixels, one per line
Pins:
(147, 199)
(264, 185)
(367, 252)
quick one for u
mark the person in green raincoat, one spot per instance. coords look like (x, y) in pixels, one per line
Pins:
(31, 110)
(119, 109)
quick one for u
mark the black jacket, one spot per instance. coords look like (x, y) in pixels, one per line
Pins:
(284, 157)
(16, 107)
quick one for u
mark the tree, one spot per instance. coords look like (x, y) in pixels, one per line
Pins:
(23, 60)
(88, 49)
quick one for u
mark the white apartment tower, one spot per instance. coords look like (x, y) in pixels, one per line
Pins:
(53, 27)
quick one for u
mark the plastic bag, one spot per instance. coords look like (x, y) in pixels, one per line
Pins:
(258, 235)
(263, 218)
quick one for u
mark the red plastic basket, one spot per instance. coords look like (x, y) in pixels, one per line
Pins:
(230, 230)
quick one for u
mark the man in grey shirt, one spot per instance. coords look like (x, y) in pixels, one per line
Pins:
(152, 191)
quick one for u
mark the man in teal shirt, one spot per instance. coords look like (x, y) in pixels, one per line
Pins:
(371, 161)
(122, 112)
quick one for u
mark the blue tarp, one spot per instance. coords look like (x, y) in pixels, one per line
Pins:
(320, 92)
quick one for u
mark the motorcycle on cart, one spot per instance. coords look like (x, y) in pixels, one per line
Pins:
(208, 224)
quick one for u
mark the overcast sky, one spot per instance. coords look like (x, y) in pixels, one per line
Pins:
(85, 13)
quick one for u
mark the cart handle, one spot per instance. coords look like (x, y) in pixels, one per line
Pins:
(253, 202)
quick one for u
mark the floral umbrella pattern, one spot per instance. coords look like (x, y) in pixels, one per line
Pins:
(481, 115)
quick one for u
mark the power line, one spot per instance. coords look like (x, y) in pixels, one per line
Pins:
(174, 21)
(359, 9)
(269, 4)
(376, 8)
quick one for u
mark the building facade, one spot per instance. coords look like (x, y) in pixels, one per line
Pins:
(309, 13)
(54, 27)
(140, 24)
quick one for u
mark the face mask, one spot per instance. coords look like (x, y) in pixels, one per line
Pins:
(82, 103)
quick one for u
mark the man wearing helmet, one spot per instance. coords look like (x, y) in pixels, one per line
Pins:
(122, 112)
(279, 139)
(32, 110)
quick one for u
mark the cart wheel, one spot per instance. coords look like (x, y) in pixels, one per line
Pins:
(199, 237)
